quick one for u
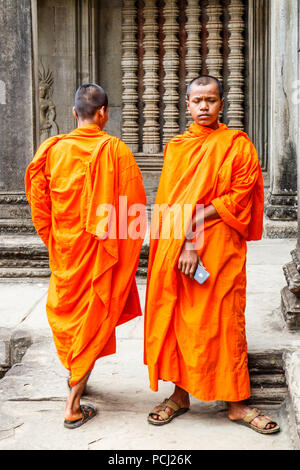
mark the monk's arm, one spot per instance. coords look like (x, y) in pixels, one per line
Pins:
(189, 259)
(41, 207)
(236, 203)
(210, 212)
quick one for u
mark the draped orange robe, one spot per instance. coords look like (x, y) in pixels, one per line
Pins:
(92, 286)
(195, 334)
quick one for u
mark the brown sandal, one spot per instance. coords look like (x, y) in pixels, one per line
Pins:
(261, 427)
(88, 412)
(166, 418)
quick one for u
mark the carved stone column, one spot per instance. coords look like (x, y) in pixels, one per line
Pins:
(282, 199)
(130, 129)
(214, 59)
(290, 295)
(151, 131)
(236, 65)
(193, 44)
(171, 65)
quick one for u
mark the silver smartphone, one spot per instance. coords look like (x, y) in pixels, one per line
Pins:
(201, 275)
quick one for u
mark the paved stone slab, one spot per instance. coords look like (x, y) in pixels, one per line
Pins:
(18, 300)
(270, 252)
(8, 424)
(203, 428)
(34, 395)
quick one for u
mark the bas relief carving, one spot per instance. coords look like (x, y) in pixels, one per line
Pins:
(48, 126)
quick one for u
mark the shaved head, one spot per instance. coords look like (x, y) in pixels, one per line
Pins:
(204, 80)
(88, 99)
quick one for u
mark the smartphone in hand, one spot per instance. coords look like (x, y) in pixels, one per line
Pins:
(201, 275)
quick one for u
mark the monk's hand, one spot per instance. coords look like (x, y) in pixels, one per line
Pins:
(189, 259)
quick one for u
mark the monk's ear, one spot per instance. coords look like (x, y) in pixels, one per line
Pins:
(187, 105)
(74, 113)
(222, 105)
(101, 111)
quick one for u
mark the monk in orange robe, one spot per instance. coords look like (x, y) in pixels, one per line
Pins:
(81, 187)
(195, 333)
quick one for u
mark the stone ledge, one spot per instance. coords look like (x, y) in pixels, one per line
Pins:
(22, 225)
(280, 229)
(13, 346)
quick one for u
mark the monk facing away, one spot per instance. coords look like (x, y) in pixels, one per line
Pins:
(195, 333)
(79, 187)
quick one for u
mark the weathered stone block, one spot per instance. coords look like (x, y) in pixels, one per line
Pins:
(20, 341)
(290, 307)
(5, 351)
(292, 277)
(5, 336)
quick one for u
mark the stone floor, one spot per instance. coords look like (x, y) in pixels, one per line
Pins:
(33, 391)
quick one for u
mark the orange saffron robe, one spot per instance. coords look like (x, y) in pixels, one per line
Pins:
(92, 286)
(195, 334)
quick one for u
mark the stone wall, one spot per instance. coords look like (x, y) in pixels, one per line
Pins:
(16, 101)
(57, 55)
(109, 66)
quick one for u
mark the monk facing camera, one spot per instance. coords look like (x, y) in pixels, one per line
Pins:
(92, 289)
(195, 331)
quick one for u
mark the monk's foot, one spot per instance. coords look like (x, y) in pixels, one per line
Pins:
(238, 411)
(72, 415)
(72, 409)
(180, 397)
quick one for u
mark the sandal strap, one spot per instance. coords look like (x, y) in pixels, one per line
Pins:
(263, 423)
(160, 410)
(164, 415)
(86, 411)
(171, 404)
(160, 407)
(251, 415)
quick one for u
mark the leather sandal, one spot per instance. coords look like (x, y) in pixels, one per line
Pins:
(262, 424)
(166, 418)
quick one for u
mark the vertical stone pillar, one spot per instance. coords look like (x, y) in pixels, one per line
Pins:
(193, 44)
(171, 65)
(151, 128)
(86, 42)
(214, 59)
(130, 128)
(282, 202)
(259, 78)
(290, 295)
(236, 65)
(17, 106)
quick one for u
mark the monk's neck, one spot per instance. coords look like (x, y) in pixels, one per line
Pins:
(87, 122)
(213, 126)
